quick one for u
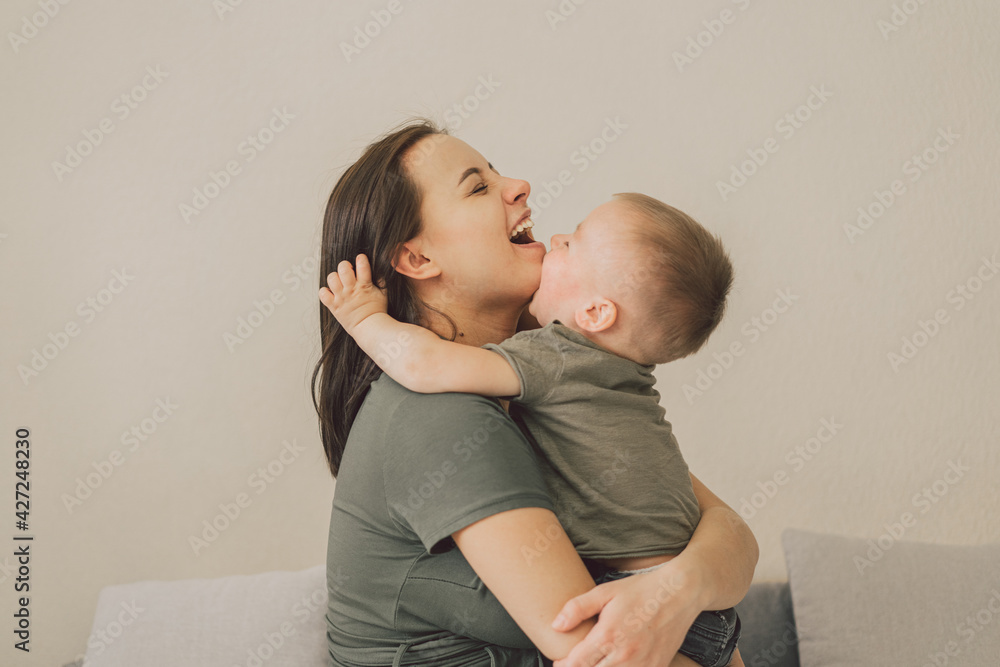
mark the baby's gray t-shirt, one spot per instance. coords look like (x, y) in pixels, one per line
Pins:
(611, 462)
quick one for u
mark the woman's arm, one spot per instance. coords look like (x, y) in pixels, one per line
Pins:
(412, 356)
(643, 618)
(724, 549)
(526, 560)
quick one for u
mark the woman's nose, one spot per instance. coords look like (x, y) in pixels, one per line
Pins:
(516, 189)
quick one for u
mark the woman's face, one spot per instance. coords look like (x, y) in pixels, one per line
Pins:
(469, 212)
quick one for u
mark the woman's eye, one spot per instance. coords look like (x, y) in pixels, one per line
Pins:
(482, 188)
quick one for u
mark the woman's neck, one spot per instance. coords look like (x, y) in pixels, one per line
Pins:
(475, 327)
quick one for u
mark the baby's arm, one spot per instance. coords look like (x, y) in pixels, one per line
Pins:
(412, 356)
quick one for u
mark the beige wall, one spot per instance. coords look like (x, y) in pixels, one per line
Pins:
(170, 289)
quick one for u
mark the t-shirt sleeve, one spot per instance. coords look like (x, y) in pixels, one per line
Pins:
(537, 358)
(455, 459)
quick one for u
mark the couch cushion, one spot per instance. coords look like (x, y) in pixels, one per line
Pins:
(768, 628)
(884, 601)
(277, 618)
(273, 618)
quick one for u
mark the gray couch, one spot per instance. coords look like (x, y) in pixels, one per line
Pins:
(768, 635)
(859, 602)
(210, 622)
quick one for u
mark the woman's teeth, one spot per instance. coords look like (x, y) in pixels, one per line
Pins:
(527, 224)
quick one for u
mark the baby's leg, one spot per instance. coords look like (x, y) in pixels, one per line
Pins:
(737, 661)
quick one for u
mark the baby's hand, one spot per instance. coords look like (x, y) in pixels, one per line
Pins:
(352, 300)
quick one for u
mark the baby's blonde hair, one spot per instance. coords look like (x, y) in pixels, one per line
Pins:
(688, 276)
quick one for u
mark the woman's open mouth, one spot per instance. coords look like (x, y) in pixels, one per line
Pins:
(522, 233)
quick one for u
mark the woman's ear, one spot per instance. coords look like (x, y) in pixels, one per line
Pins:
(411, 262)
(598, 315)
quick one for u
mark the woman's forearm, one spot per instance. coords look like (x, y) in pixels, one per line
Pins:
(527, 561)
(722, 553)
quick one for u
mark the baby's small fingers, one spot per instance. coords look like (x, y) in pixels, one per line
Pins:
(326, 297)
(346, 272)
(364, 269)
(333, 282)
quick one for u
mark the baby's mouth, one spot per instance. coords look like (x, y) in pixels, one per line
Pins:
(522, 233)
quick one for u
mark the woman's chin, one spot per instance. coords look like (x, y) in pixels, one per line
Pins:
(535, 247)
(532, 310)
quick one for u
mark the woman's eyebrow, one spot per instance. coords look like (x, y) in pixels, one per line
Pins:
(474, 170)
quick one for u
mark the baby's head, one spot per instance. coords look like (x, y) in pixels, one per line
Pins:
(638, 277)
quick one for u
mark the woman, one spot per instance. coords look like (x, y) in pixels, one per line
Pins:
(443, 546)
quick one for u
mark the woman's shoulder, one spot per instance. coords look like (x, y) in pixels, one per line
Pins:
(449, 459)
(430, 424)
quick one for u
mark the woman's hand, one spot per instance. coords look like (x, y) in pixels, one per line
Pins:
(643, 618)
(352, 299)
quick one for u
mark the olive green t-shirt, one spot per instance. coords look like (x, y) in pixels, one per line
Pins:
(611, 462)
(417, 468)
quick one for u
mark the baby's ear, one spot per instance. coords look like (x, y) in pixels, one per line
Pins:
(597, 315)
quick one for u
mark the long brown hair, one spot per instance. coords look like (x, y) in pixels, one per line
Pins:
(374, 207)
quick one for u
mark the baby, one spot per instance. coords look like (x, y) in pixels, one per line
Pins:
(638, 283)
